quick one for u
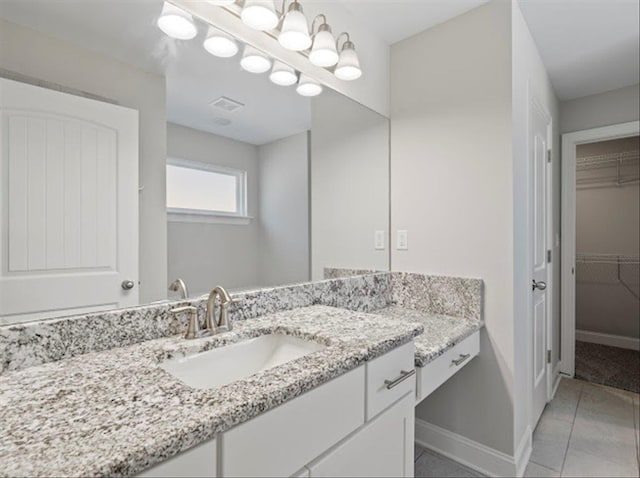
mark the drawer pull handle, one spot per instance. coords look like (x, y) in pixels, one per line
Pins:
(403, 376)
(460, 359)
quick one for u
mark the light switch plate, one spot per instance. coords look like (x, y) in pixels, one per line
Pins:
(379, 241)
(402, 243)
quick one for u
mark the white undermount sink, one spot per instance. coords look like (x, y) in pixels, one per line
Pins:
(224, 365)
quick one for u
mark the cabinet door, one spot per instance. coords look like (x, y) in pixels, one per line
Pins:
(286, 438)
(197, 462)
(384, 447)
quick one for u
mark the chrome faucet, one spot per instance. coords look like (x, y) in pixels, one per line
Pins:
(224, 322)
(178, 285)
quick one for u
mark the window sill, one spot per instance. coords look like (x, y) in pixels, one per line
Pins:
(205, 217)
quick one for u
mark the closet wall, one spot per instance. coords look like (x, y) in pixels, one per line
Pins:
(608, 239)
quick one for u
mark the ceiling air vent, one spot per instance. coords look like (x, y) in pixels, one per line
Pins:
(226, 104)
(221, 121)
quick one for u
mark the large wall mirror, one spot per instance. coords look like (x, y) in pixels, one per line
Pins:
(255, 184)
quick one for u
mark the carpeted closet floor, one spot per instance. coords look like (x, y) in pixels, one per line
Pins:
(605, 365)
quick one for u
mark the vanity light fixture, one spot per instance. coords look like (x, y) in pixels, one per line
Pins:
(294, 34)
(259, 14)
(220, 44)
(254, 61)
(348, 67)
(177, 23)
(323, 51)
(308, 86)
(283, 75)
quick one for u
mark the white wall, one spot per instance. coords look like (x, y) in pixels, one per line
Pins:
(612, 107)
(283, 222)
(452, 189)
(529, 77)
(607, 222)
(349, 184)
(206, 255)
(31, 53)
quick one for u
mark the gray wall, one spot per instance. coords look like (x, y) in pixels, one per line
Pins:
(604, 109)
(349, 184)
(607, 222)
(28, 52)
(204, 254)
(284, 211)
(452, 189)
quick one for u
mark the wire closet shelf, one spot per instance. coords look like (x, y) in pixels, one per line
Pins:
(608, 170)
(610, 269)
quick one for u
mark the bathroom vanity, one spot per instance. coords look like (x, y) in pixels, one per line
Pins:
(120, 412)
(358, 424)
(312, 391)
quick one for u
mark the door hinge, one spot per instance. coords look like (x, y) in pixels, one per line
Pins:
(548, 155)
(548, 356)
(549, 256)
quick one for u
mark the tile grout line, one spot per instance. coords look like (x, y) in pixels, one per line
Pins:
(573, 422)
(636, 419)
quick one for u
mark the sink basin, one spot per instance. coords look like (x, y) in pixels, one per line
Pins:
(224, 365)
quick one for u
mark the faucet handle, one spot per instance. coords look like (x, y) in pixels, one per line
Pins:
(225, 320)
(193, 329)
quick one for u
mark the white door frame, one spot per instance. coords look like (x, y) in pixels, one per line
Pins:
(568, 310)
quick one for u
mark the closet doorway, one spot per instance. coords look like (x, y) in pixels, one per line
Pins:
(601, 256)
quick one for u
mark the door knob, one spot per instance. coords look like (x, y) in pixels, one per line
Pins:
(540, 285)
(127, 284)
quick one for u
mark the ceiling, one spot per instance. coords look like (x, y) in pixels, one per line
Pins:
(194, 77)
(588, 46)
(395, 20)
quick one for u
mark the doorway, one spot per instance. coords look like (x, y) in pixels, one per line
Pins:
(600, 259)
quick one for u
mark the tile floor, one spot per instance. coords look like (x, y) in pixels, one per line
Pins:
(587, 430)
(432, 464)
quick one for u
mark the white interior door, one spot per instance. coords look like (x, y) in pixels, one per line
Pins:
(539, 151)
(68, 203)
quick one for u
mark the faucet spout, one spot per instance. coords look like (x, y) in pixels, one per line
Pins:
(211, 324)
(178, 285)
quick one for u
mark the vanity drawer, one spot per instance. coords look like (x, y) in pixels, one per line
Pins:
(389, 378)
(435, 373)
(283, 440)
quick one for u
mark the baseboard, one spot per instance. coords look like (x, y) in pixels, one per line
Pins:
(621, 341)
(472, 454)
(523, 451)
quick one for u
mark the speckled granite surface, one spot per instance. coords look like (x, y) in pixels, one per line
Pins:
(338, 272)
(441, 332)
(29, 344)
(438, 295)
(117, 413)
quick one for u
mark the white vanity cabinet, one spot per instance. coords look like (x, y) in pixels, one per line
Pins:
(435, 373)
(196, 462)
(283, 440)
(358, 424)
(383, 447)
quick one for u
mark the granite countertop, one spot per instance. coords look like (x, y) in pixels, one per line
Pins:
(441, 332)
(117, 413)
